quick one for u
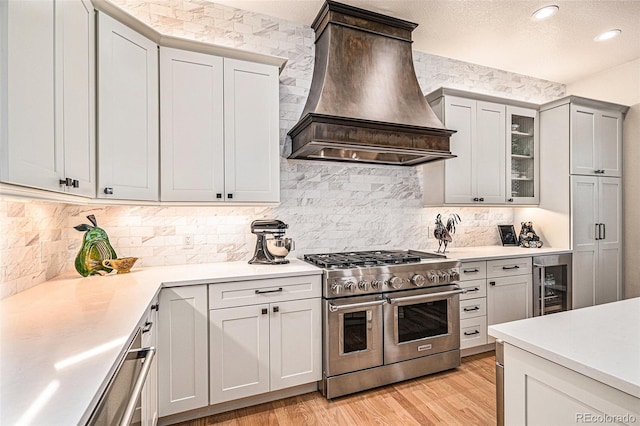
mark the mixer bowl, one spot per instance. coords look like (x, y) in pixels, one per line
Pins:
(280, 247)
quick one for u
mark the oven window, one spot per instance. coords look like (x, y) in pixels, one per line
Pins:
(422, 320)
(355, 331)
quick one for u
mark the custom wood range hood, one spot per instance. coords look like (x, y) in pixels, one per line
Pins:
(365, 103)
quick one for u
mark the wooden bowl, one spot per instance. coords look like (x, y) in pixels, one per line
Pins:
(122, 265)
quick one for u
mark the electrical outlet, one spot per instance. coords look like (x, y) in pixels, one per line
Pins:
(187, 242)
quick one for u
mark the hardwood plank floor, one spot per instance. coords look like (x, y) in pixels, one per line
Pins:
(464, 396)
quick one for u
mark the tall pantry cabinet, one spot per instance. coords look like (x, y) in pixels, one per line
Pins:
(592, 133)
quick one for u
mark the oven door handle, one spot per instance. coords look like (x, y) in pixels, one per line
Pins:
(421, 297)
(336, 308)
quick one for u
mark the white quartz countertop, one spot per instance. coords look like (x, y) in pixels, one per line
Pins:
(601, 342)
(466, 254)
(61, 340)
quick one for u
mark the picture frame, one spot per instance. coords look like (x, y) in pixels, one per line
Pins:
(508, 235)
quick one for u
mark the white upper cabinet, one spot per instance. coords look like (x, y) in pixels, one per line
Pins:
(192, 128)
(596, 141)
(47, 75)
(127, 113)
(523, 156)
(477, 174)
(252, 160)
(219, 128)
(488, 152)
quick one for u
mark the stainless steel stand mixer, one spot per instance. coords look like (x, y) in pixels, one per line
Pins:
(271, 247)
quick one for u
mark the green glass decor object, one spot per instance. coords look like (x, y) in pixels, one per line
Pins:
(95, 248)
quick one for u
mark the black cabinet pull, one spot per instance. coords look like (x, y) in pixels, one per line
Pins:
(229, 196)
(219, 195)
(468, 271)
(147, 327)
(276, 309)
(510, 200)
(475, 308)
(506, 268)
(473, 290)
(66, 182)
(265, 311)
(268, 291)
(75, 183)
(466, 333)
(481, 199)
(155, 307)
(492, 282)
(476, 199)
(108, 191)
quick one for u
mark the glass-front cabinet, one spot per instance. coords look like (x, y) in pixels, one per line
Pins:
(522, 156)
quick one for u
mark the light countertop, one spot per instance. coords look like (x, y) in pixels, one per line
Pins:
(601, 342)
(467, 254)
(60, 341)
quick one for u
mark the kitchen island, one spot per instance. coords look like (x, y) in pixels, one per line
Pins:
(580, 366)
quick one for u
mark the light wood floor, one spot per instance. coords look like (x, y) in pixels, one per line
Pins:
(464, 396)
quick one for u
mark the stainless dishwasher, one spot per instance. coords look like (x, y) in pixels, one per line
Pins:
(120, 404)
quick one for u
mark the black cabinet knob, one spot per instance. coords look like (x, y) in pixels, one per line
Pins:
(276, 309)
(219, 195)
(510, 200)
(476, 199)
(481, 199)
(229, 196)
(108, 191)
(492, 282)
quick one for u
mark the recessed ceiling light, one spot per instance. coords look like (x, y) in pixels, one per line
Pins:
(607, 35)
(545, 12)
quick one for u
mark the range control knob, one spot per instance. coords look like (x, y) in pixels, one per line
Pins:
(376, 284)
(396, 282)
(364, 285)
(336, 289)
(433, 277)
(455, 275)
(444, 276)
(350, 286)
(418, 280)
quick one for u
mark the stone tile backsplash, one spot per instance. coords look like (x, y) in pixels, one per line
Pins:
(328, 206)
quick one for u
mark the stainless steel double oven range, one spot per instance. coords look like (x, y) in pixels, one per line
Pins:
(388, 316)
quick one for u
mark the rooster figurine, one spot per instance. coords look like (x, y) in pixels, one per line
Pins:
(443, 233)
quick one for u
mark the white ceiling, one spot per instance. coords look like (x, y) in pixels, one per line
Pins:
(500, 33)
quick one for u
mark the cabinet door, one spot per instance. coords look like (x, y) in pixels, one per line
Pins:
(583, 140)
(76, 70)
(127, 113)
(192, 132)
(609, 277)
(508, 299)
(296, 340)
(584, 212)
(182, 349)
(522, 158)
(488, 153)
(251, 134)
(610, 143)
(460, 114)
(239, 355)
(30, 153)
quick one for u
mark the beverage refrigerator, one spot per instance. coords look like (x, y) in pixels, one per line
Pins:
(551, 284)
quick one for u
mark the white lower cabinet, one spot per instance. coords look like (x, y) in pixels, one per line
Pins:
(262, 347)
(183, 360)
(497, 291)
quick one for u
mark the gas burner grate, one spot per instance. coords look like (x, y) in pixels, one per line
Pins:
(361, 258)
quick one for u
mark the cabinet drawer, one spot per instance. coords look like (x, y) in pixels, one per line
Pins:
(243, 293)
(475, 288)
(473, 332)
(473, 308)
(508, 267)
(473, 270)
